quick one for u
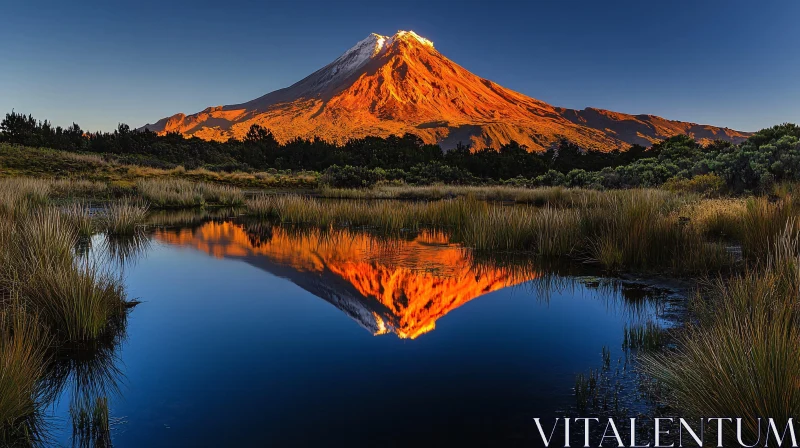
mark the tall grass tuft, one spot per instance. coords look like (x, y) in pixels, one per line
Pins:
(642, 229)
(18, 195)
(265, 205)
(123, 217)
(79, 214)
(78, 302)
(183, 193)
(742, 357)
(761, 223)
(23, 347)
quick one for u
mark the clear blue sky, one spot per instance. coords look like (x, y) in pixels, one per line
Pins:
(731, 63)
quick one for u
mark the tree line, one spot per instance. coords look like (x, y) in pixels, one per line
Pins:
(769, 156)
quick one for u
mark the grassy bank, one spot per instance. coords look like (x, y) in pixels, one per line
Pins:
(553, 196)
(624, 229)
(740, 357)
(25, 161)
(52, 300)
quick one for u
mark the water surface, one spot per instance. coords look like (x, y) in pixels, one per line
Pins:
(255, 335)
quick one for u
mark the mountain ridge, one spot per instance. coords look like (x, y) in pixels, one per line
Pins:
(401, 84)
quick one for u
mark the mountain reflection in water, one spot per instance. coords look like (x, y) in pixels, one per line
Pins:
(386, 285)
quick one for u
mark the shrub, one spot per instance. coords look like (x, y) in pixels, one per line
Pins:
(350, 177)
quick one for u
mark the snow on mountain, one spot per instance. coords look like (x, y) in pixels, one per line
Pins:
(401, 84)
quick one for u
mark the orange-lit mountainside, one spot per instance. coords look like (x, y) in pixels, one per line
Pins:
(402, 84)
(402, 286)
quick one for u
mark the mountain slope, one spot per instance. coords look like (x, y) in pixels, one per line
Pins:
(404, 290)
(402, 84)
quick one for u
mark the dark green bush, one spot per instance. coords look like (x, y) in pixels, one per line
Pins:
(350, 177)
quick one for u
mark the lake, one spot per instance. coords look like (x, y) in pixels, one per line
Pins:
(251, 334)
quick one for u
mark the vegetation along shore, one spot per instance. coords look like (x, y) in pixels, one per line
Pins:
(725, 215)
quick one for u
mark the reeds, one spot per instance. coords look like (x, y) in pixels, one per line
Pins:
(183, 193)
(123, 217)
(79, 214)
(23, 347)
(635, 229)
(542, 196)
(77, 301)
(91, 425)
(761, 223)
(647, 337)
(742, 357)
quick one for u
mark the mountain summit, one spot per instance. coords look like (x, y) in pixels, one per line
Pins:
(401, 84)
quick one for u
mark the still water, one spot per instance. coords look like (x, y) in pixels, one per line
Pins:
(255, 335)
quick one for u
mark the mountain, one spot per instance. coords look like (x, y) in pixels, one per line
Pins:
(402, 84)
(402, 287)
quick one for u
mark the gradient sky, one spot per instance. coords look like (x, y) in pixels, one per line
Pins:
(730, 63)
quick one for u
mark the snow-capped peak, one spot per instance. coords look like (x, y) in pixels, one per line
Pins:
(410, 35)
(359, 55)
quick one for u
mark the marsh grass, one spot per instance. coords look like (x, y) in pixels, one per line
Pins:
(124, 217)
(543, 196)
(642, 229)
(77, 301)
(742, 356)
(19, 195)
(80, 303)
(646, 337)
(80, 216)
(718, 218)
(265, 205)
(50, 299)
(384, 215)
(91, 425)
(24, 344)
(79, 188)
(173, 192)
(762, 222)
(638, 229)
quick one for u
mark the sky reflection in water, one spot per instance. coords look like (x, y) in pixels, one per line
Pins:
(236, 342)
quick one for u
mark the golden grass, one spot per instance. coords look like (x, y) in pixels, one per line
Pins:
(79, 215)
(742, 358)
(638, 229)
(717, 218)
(49, 300)
(552, 196)
(23, 350)
(761, 223)
(183, 193)
(76, 301)
(123, 217)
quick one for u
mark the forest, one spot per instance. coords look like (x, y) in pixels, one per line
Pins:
(768, 157)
